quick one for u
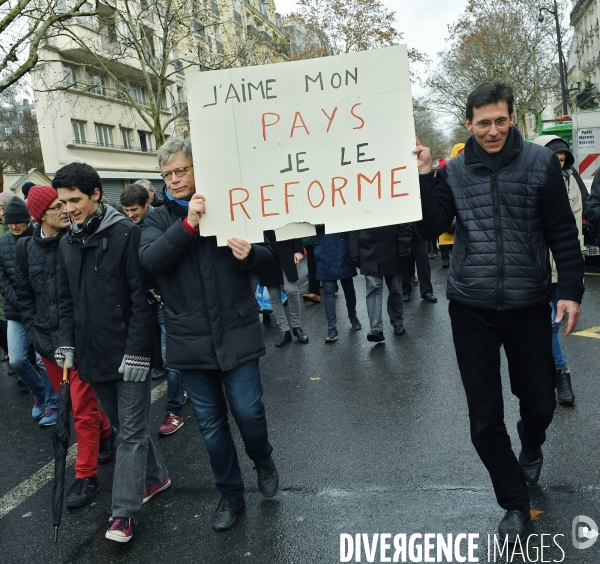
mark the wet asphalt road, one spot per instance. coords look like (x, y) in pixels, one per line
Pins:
(367, 439)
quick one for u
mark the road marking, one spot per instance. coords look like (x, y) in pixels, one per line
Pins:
(37, 481)
(592, 273)
(593, 332)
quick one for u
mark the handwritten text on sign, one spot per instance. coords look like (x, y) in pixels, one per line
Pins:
(322, 141)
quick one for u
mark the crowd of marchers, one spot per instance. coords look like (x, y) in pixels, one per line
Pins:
(123, 293)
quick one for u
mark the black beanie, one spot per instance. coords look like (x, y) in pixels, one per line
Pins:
(26, 187)
(15, 211)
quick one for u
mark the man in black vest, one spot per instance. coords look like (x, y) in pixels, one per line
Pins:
(510, 204)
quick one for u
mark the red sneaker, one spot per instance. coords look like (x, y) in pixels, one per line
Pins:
(150, 490)
(121, 530)
(170, 424)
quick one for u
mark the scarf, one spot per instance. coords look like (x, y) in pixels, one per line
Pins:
(183, 203)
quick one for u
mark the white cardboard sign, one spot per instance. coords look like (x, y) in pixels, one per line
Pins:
(326, 140)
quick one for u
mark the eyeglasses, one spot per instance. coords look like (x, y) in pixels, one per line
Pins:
(500, 123)
(57, 207)
(180, 172)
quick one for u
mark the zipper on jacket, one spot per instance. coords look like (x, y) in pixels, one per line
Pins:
(499, 242)
(96, 261)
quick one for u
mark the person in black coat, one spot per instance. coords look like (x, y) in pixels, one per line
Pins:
(213, 329)
(289, 254)
(108, 324)
(378, 252)
(332, 255)
(45, 398)
(511, 207)
(38, 302)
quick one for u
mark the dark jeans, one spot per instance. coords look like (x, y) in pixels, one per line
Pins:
(526, 336)
(420, 247)
(313, 283)
(445, 252)
(207, 390)
(329, 289)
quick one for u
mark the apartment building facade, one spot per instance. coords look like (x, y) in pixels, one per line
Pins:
(110, 86)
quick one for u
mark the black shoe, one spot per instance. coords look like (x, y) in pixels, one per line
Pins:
(5, 359)
(406, 297)
(563, 386)
(399, 329)
(226, 512)
(286, 337)
(513, 525)
(530, 459)
(20, 382)
(266, 318)
(267, 477)
(158, 373)
(107, 448)
(82, 492)
(375, 336)
(300, 335)
(429, 297)
(445, 264)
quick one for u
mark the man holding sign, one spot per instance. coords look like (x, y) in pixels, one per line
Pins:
(213, 331)
(510, 204)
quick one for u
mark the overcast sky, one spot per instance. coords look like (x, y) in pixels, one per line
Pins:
(423, 22)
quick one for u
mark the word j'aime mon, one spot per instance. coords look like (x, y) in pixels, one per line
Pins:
(247, 91)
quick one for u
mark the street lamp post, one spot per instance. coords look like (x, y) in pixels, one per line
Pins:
(561, 69)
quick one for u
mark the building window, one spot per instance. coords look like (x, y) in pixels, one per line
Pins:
(69, 76)
(104, 135)
(87, 21)
(111, 30)
(199, 28)
(7, 130)
(138, 93)
(145, 141)
(127, 135)
(21, 129)
(78, 131)
(99, 80)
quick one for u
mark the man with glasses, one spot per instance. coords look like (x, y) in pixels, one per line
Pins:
(37, 256)
(510, 204)
(213, 330)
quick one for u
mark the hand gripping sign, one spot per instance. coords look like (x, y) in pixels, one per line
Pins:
(287, 145)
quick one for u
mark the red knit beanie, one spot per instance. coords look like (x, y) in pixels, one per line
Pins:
(39, 200)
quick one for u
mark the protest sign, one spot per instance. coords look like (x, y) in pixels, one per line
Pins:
(326, 140)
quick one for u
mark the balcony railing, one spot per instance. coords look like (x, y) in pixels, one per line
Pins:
(134, 148)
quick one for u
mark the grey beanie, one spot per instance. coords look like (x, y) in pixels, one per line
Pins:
(15, 211)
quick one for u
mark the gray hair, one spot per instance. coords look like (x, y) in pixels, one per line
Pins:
(171, 148)
(144, 184)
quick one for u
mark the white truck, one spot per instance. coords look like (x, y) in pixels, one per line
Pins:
(586, 150)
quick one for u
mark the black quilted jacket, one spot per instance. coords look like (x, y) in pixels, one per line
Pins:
(10, 275)
(38, 295)
(505, 221)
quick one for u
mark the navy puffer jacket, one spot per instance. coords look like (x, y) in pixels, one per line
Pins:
(39, 295)
(10, 275)
(505, 221)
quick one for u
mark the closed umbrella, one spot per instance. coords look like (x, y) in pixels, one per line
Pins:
(60, 444)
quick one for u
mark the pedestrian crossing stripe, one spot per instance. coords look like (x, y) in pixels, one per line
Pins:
(593, 332)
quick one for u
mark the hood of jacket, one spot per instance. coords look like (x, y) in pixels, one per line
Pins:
(557, 145)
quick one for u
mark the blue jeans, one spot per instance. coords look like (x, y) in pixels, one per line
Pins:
(559, 360)
(39, 385)
(174, 389)
(329, 289)
(207, 390)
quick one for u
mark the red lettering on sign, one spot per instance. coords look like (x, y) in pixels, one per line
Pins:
(329, 119)
(265, 124)
(322, 194)
(338, 189)
(241, 204)
(264, 200)
(362, 121)
(394, 182)
(294, 126)
(370, 181)
(288, 196)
